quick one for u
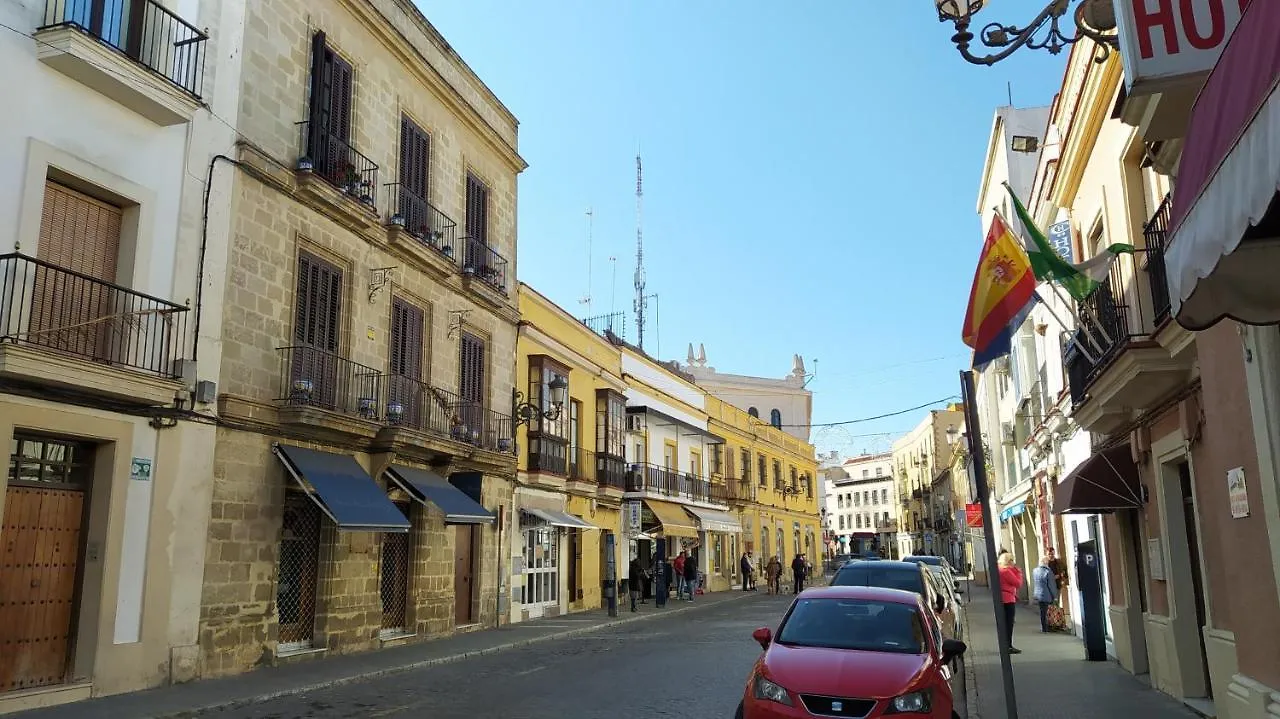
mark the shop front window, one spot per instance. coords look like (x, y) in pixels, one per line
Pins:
(541, 565)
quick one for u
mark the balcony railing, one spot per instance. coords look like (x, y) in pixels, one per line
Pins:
(61, 310)
(485, 264)
(143, 31)
(672, 483)
(741, 490)
(1156, 234)
(316, 378)
(313, 377)
(333, 159)
(422, 221)
(611, 471)
(548, 454)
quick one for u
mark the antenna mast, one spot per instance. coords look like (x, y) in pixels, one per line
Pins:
(590, 231)
(639, 283)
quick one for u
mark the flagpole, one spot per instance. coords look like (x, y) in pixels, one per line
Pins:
(1065, 326)
(973, 430)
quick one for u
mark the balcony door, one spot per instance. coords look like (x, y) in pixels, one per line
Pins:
(469, 418)
(406, 388)
(72, 302)
(316, 333)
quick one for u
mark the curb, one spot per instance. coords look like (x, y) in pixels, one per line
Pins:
(971, 710)
(425, 663)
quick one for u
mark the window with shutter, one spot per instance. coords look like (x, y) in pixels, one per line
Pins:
(404, 385)
(415, 163)
(471, 383)
(316, 330)
(477, 210)
(329, 122)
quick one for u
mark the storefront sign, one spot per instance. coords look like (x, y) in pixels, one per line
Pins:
(1060, 238)
(1155, 559)
(1237, 493)
(633, 515)
(1164, 42)
(140, 470)
(973, 515)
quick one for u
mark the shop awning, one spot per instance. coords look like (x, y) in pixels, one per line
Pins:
(1105, 482)
(1012, 511)
(430, 488)
(713, 521)
(342, 489)
(1220, 262)
(675, 522)
(558, 519)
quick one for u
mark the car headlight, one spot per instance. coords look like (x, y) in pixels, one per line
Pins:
(770, 691)
(913, 703)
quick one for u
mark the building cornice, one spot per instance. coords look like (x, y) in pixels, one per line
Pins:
(570, 355)
(1092, 109)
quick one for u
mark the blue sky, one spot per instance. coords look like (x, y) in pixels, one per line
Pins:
(811, 175)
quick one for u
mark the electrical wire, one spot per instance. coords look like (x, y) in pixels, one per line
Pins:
(869, 419)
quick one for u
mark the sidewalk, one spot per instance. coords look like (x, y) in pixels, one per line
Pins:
(1051, 676)
(187, 700)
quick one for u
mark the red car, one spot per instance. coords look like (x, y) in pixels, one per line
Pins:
(853, 652)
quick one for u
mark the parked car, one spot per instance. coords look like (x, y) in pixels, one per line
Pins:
(941, 568)
(908, 576)
(853, 651)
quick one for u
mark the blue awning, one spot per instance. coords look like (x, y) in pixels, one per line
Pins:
(428, 487)
(342, 490)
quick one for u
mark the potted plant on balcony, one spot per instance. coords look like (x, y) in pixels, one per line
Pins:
(349, 178)
(366, 192)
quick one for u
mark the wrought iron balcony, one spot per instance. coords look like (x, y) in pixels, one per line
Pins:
(423, 221)
(671, 483)
(414, 404)
(143, 31)
(333, 159)
(1156, 234)
(548, 454)
(311, 377)
(60, 310)
(610, 471)
(485, 264)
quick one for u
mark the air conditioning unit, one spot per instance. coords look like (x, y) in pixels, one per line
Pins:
(635, 423)
(1008, 435)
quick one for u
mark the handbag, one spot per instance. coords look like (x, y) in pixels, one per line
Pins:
(1057, 618)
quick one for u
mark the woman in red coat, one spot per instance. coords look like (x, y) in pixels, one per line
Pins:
(1010, 582)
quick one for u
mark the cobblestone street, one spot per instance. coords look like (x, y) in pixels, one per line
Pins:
(1052, 678)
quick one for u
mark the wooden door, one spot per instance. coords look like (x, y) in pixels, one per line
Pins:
(39, 569)
(575, 556)
(296, 575)
(463, 573)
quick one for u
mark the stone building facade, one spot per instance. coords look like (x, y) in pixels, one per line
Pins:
(362, 478)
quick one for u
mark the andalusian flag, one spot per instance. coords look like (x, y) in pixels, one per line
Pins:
(1003, 293)
(1080, 279)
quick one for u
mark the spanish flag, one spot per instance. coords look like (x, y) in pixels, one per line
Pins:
(1003, 291)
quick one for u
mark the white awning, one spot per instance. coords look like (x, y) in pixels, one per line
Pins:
(558, 519)
(713, 521)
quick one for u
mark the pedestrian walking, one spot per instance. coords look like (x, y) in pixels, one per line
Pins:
(678, 565)
(1010, 581)
(1045, 591)
(635, 578)
(748, 572)
(773, 573)
(691, 575)
(797, 573)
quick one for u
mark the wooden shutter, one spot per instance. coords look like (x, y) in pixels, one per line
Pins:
(471, 376)
(319, 303)
(477, 210)
(407, 322)
(415, 162)
(79, 233)
(329, 120)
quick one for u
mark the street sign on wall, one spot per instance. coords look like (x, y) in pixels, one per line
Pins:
(1166, 42)
(973, 515)
(1060, 238)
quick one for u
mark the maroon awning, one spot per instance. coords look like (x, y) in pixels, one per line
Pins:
(1106, 482)
(1229, 172)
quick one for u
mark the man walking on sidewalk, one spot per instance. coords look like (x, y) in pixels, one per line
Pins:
(748, 572)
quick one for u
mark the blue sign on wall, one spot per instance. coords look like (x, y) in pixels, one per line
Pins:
(1060, 238)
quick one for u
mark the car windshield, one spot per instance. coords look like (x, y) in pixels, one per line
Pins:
(855, 624)
(873, 575)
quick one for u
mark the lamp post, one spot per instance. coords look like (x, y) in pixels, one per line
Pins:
(523, 412)
(1093, 19)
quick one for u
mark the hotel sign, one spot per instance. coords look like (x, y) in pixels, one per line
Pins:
(1164, 42)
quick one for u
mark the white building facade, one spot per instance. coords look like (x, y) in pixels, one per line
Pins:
(783, 403)
(112, 268)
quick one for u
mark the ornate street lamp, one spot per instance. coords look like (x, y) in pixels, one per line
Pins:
(523, 412)
(1094, 19)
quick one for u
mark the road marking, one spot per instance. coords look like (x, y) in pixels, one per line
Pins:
(529, 671)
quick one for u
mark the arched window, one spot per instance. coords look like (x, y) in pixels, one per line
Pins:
(754, 412)
(775, 418)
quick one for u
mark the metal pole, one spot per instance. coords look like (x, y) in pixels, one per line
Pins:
(611, 574)
(973, 429)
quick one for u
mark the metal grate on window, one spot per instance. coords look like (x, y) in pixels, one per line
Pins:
(395, 578)
(297, 572)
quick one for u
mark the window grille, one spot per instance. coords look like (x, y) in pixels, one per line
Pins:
(297, 572)
(395, 577)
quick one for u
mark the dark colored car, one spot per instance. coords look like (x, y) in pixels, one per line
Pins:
(853, 652)
(907, 576)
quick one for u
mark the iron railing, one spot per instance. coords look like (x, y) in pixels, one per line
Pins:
(62, 310)
(672, 483)
(614, 323)
(1156, 234)
(417, 405)
(314, 377)
(484, 263)
(333, 159)
(610, 471)
(422, 220)
(548, 454)
(144, 31)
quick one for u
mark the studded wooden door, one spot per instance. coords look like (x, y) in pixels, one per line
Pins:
(39, 563)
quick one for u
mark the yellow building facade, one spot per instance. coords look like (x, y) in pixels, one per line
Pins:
(770, 478)
(637, 462)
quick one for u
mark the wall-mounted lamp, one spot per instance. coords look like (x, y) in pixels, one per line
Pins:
(523, 412)
(378, 278)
